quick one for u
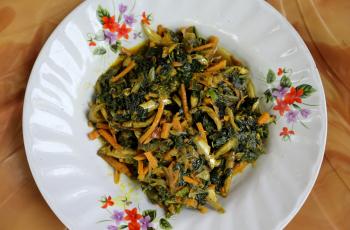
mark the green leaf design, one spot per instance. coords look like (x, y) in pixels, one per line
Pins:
(122, 226)
(151, 213)
(102, 12)
(116, 47)
(296, 106)
(164, 224)
(268, 96)
(99, 50)
(308, 90)
(285, 82)
(99, 36)
(271, 76)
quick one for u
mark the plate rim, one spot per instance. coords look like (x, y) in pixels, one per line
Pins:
(323, 107)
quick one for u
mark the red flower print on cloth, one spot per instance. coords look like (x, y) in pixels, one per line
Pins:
(110, 23)
(123, 31)
(281, 106)
(107, 201)
(134, 225)
(285, 133)
(145, 18)
(132, 215)
(279, 71)
(294, 95)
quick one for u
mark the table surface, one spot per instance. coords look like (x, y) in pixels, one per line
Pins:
(26, 24)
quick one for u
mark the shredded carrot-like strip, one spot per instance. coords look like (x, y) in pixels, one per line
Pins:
(202, 131)
(191, 203)
(109, 138)
(213, 39)
(155, 122)
(93, 135)
(184, 125)
(169, 154)
(153, 162)
(148, 140)
(140, 169)
(184, 101)
(120, 167)
(240, 167)
(140, 157)
(124, 72)
(145, 170)
(126, 51)
(102, 126)
(212, 42)
(202, 209)
(264, 118)
(116, 176)
(165, 130)
(204, 47)
(217, 67)
(176, 64)
(176, 123)
(190, 180)
(172, 177)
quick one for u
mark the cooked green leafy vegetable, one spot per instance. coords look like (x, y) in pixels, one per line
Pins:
(179, 115)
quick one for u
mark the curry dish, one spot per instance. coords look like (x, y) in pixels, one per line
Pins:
(179, 115)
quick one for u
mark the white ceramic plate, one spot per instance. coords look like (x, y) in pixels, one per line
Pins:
(75, 181)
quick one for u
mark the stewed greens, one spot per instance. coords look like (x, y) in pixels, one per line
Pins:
(179, 115)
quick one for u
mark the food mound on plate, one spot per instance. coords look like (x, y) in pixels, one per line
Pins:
(179, 115)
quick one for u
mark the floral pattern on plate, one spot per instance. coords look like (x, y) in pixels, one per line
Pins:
(287, 99)
(125, 213)
(131, 218)
(115, 28)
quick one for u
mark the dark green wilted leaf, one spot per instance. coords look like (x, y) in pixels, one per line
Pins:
(115, 47)
(268, 96)
(164, 224)
(271, 76)
(99, 50)
(213, 94)
(308, 90)
(102, 12)
(151, 213)
(285, 82)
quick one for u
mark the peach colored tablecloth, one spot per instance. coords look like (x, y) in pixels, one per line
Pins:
(26, 24)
